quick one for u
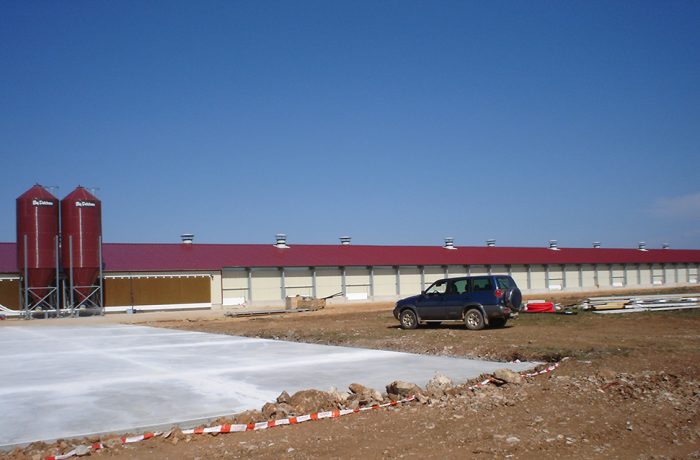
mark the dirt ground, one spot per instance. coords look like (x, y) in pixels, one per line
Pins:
(630, 388)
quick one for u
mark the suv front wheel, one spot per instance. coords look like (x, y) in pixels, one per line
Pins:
(474, 320)
(408, 319)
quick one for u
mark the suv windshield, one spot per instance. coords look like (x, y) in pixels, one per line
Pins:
(505, 282)
(439, 287)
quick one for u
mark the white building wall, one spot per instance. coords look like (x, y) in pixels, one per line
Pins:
(357, 280)
(589, 276)
(537, 278)
(571, 278)
(266, 284)
(693, 273)
(618, 275)
(519, 274)
(632, 275)
(657, 275)
(216, 291)
(298, 281)
(328, 281)
(555, 277)
(604, 276)
(384, 281)
(645, 275)
(231, 286)
(433, 273)
(410, 280)
(234, 286)
(455, 271)
(670, 274)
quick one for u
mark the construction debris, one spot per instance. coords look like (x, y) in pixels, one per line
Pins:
(541, 306)
(631, 304)
(310, 303)
(242, 313)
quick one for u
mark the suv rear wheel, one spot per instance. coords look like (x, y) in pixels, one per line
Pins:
(474, 320)
(408, 320)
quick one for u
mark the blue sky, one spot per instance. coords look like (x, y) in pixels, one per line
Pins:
(394, 122)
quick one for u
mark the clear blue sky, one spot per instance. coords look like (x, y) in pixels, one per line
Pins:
(394, 122)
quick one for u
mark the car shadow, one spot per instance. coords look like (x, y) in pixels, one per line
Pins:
(453, 327)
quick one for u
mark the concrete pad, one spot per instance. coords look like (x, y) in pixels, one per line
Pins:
(67, 381)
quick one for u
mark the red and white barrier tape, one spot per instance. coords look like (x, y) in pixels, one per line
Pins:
(291, 420)
(238, 428)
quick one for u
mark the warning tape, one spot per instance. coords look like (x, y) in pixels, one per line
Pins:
(238, 428)
(226, 428)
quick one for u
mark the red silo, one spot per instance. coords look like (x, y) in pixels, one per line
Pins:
(81, 231)
(37, 225)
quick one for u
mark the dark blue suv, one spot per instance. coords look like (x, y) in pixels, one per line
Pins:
(479, 301)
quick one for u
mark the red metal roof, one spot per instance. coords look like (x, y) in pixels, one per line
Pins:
(120, 257)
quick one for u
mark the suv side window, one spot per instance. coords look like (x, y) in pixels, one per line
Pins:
(461, 287)
(505, 282)
(481, 284)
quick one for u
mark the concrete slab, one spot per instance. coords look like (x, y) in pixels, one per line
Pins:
(66, 381)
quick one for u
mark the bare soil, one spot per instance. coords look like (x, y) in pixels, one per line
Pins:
(630, 388)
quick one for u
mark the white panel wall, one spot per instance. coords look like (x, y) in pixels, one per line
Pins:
(571, 280)
(632, 277)
(618, 275)
(537, 277)
(266, 284)
(519, 274)
(556, 277)
(432, 274)
(604, 276)
(298, 281)
(589, 281)
(693, 273)
(456, 270)
(410, 280)
(670, 272)
(216, 291)
(657, 275)
(328, 281)
(234, 284)
(645, 275)
(357, 280)
(384, 281)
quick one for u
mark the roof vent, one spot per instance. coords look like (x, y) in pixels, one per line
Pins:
(665, 246)
(642, 246)
(281, 241)
(345, 240)
(187, 238)
(449, 243)
(596, 245)
(490, 243)
(553, 245)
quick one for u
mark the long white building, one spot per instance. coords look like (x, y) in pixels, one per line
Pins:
(234, 274)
